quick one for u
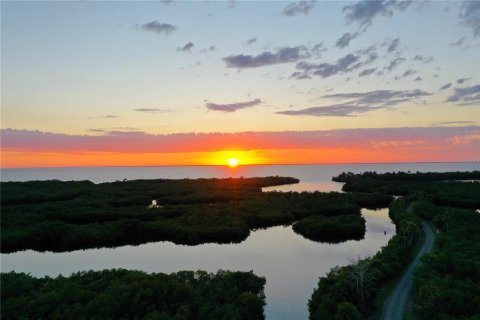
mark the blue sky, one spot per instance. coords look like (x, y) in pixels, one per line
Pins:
(101, 67)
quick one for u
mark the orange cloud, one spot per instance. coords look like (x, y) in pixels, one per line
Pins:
(24, 148)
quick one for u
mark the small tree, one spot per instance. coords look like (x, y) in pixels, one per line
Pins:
(360, 272)
(408, 229)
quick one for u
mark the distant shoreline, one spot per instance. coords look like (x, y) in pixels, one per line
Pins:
(250, 165)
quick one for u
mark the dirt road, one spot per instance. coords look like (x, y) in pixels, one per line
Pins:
(394, 308)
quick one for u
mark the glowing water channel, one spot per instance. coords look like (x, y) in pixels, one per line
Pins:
(290, 263)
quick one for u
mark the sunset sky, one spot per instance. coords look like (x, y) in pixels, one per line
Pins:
(181, 83)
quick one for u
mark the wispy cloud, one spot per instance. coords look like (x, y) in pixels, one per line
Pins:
(208, 49)
(359, 102)
(454, 122)
(345, 64)
(159, 28)
(379, 95)
(325, 70)
(117, 130)
(283, 55)
(394, 63)
(407, 73)
(465, 96)
(318, 49)
(466, 139)
(108, 116)
(445, 86)
(367, 72)
(424, 59)
(232, 107)
(364, 12)
(187, 47)
(344, 40)
(300, 75)
(463, 80)
(394, 44)
(296, 8)
(251, 41)
(470, 16)
(152, 110)
(460, 42)
(335, 110)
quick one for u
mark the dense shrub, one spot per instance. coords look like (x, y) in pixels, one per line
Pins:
(447, 283)
(353, 288)
(331, 229)
(62, 216)
(124, 294)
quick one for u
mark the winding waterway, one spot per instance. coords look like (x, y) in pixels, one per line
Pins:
(290, 263)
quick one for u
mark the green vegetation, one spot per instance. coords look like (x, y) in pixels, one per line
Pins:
(444, 188)
(355, 286)
(63, 216)
(123, 294)
(331, 229)
(447, 283)
(60, 216)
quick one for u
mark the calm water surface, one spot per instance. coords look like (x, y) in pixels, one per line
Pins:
(290, 263)
(312, 177)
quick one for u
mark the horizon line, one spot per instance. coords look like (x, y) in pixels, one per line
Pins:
(241, 165)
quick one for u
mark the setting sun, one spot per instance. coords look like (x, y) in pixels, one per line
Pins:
(233, 162)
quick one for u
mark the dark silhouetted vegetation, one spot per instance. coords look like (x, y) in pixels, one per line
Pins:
(409, 176)
(447, 283)
(331, 229)
(63, 216)
(353, 288)
(124, 294)
(444, 188)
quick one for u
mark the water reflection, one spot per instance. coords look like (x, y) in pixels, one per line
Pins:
(291, 263)
(306, 173)
(326, 186)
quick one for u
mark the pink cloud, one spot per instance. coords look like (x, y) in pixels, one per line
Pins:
(442, 139)
(466, 138)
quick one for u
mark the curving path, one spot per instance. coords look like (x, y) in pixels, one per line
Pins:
(395, 306)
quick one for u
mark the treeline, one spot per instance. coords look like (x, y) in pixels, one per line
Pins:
(409, 176)
(124, 294)
(349, 292)
(137, 192)
(447, 283)
(63, 216)
(441, 187)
